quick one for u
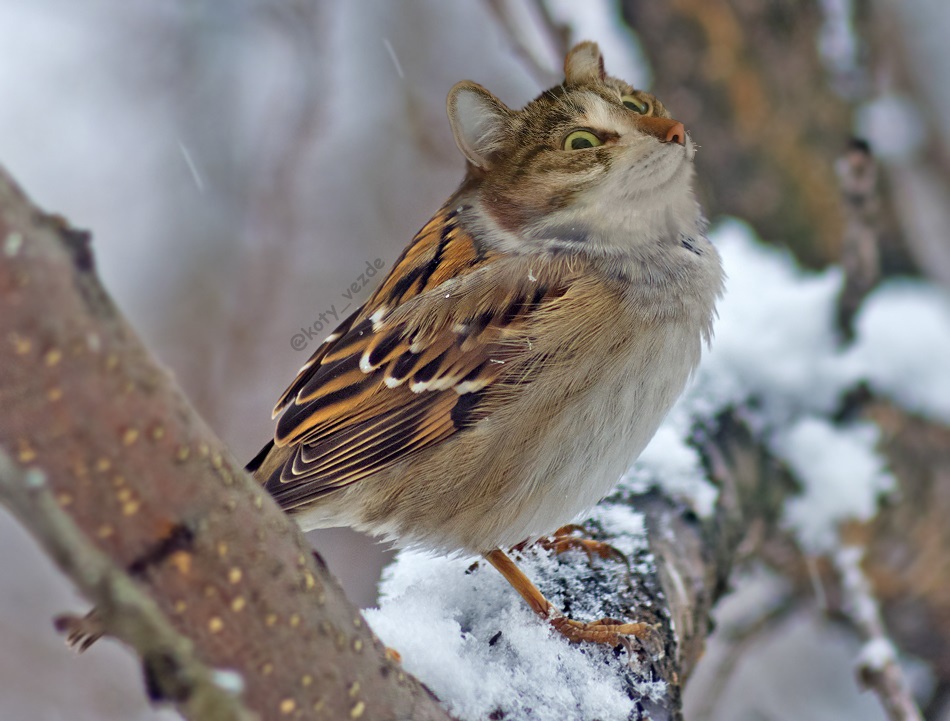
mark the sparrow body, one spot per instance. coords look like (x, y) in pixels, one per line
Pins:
(527, 343)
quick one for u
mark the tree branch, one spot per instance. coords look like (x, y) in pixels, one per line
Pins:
(153, 489)
(126, 612)
(878, 668)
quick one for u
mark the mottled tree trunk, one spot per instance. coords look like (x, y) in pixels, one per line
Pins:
(86, 408)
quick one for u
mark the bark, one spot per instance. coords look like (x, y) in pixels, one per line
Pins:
(171, 668)
(150, 486)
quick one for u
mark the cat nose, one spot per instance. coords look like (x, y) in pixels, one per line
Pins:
(676, 134)
(666, 130)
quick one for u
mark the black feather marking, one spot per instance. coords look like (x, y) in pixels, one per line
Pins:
(428, 371)
(296, 491)
(381, 456)
(463, 413)
(332, 370)
(352, 338)
(689, 244)
(538, 296)
(295, 414)
(383, 347)
(512, 311)
(481, 249)
(403, 366)
(259, 458)
(313, 366)
(349, 436)
(355, 434)
(444, 240)
(405, 283)
(480, 322)
(474, 373)
(394, 444)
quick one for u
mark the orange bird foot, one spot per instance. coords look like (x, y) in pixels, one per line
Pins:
(607, 630)
(566, 538)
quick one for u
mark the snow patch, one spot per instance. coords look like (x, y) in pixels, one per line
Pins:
(903, 346)
(876, 654)
(478, 646)
(843, 478)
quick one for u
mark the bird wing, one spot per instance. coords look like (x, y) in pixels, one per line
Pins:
(420, 361)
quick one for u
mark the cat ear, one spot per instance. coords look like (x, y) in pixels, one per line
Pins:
(479, 120)
(584, 64)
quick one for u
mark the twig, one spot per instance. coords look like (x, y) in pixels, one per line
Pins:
(878, 669)
(737, 642)
(173, 672)
(860, 255)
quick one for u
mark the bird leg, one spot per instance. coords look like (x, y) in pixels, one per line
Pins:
(607, 630)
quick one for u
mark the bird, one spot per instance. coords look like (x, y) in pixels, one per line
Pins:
(526, 344)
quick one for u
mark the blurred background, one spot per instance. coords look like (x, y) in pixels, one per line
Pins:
(240, 163)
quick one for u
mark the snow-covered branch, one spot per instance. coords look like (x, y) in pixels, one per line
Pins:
(766, 458)
(877, 665)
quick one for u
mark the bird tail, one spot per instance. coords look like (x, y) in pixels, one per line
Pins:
(258, 460)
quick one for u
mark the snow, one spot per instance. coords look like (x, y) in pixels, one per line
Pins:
(777, 357)
(470, 637)
(478, 646)
(876, 654)
(903, 346)
(842, 477)
(774, 340)
(894, 126)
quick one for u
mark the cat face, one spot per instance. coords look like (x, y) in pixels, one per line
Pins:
(582, 162)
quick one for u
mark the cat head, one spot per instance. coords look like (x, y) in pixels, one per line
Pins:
(579, 164)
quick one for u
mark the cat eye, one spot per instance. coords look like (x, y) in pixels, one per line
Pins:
(635, 104)
(581, 139)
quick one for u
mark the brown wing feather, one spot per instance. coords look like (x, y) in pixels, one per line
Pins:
(311, 366)
(394, 380)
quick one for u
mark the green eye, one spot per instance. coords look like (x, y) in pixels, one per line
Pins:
(635, 104)
(581, 139)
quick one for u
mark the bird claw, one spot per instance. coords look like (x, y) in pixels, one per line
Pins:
(566, 539)
(610, 631)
